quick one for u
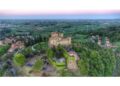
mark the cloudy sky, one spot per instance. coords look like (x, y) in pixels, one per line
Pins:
(64, 9)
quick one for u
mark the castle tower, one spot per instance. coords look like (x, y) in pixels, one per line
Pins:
(99, 40)
(54, 34)
(108, 44)
(1, 43)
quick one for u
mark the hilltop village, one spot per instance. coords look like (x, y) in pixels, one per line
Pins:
(53, 48)
(59, 60)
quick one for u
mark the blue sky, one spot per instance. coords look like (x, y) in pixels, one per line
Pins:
(78, 16)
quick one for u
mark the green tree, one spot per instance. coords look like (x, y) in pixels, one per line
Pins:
(95, 61)
(96, 66)
(66, 72)
(50, 53)
(109, 61)
(3, 49)
(83, 67)
(27, 51)
(19, 59)
(2, 72)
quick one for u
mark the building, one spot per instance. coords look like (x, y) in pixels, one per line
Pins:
(108, 44)
(74, 54)
(16, 45)
(9, 40)
(72, 66)
(72, 61)
(105, 42)
(58, 39)
(1, 42)
(99, 41)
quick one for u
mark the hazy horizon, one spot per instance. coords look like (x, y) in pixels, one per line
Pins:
(59, 9)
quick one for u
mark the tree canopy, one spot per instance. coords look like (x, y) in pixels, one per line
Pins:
(19, 59)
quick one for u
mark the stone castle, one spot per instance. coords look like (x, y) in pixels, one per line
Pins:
(58, 39)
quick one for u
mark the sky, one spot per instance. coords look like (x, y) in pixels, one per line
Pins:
(59, 9)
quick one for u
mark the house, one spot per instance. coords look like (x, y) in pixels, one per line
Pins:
(9, 40)
(16, 45)
(58, 39)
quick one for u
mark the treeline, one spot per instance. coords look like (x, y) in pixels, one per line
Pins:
(95, 61)
(4, 49)
(113, 32)
(35, 39)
